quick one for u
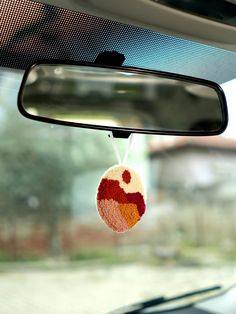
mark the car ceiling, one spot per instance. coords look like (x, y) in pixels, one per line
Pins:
(31, 31)
(210, 22)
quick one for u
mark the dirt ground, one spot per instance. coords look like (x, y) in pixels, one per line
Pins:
(97, 290)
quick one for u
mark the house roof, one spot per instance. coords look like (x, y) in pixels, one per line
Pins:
(165, 144)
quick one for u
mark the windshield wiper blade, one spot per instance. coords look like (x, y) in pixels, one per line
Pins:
(137, 308)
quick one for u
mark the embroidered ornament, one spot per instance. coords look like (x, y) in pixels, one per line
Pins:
(120, 198)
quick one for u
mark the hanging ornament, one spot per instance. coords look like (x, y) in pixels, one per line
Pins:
(121, 196)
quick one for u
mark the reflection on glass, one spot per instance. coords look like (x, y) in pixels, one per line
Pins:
(110, 97)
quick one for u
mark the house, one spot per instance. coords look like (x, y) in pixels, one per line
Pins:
(193, 190)
(203, 164)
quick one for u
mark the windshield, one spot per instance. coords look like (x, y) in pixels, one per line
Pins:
(56, 254)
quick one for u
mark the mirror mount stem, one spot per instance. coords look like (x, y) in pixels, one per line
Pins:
(121, 134)
(112, 58)
(116, 59)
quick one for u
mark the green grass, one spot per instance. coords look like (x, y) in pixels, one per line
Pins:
(103, 255)
(22, 257)
(5, 256)
(186, 255)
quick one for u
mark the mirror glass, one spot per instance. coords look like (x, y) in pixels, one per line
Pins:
(96, 96)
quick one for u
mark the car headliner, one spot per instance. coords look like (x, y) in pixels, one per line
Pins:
(32, 31)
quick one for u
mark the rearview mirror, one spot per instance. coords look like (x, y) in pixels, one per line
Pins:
(122, 99)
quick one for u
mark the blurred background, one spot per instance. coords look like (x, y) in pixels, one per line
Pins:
(56, 254)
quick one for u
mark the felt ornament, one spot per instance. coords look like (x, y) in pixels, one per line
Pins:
(120, 196)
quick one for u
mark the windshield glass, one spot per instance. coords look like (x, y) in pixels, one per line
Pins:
(56, 254)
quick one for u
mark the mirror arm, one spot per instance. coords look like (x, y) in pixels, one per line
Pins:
(121, 134)
(116, 59)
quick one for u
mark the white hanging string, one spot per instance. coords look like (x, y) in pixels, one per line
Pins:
(117, 153)
(115, 148)
(128, 148)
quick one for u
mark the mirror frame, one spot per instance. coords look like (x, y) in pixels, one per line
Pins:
(122, 131)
